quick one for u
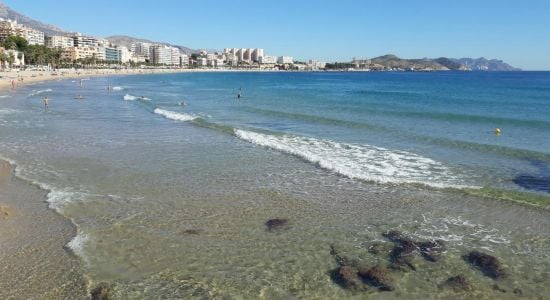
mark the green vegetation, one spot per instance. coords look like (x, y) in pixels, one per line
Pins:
(338, 66)
(13, 42)
(515, 196)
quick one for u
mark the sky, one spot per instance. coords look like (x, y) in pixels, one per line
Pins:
(515, 31)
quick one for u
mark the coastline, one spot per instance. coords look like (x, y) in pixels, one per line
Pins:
(33, 77)
(33, 239)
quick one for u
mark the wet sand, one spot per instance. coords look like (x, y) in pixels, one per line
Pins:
(35, 264)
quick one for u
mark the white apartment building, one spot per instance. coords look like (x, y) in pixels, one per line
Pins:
(9, 27)
(257, 54)
(202, 62)
(267, 59)
(124, 54)
(317, 64)
(285, 60)
(175, 57)
(142, 49)
(160, 54)
(184, 60)
(88, 41)
(33, 36)
(59, 41)
(244, 54)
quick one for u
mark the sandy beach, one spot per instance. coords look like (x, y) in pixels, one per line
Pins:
(20, 78)
(35, 264)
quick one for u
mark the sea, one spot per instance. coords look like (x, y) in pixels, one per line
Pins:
(171, 178)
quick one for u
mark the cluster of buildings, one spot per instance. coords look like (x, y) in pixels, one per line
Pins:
(76, 47)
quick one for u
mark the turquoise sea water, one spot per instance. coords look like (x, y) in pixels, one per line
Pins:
(343, 156)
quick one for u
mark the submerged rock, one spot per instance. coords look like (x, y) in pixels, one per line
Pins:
(401, 255)
(377, 277)
(379, 248)
(393, 235)
(341, 259)
(432, 250)
(100, 292)
(191, 231)
(456, 283)
(489, 265)
(347, 277)
(274, 224)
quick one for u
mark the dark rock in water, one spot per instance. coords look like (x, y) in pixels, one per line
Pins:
(401, 262)
(518, 292)
(274, 224)
(456, 283)
(378, 277)
(348, 278)
(432, 250)
(191, 231)
(101, 292)
(341, 259)
(489, 265)
(401, 255)
(534, 183)
(393, 235)
(537, 182)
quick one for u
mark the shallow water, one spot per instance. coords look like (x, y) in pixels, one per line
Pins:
(171, 201)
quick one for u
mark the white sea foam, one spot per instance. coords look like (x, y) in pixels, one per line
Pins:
(5, 96)
(118, 88)
(129, 97)
(35, 93)
(178, 116)
(363, 162)
(77, 244)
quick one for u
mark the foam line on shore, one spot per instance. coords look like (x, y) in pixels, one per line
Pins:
(363, 162)
(57, 199)
(129, 97)
(172, 115)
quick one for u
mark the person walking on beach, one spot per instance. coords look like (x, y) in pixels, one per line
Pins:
(13, 84)
(45, 100)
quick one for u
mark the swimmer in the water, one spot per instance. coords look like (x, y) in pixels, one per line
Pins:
(182, 103)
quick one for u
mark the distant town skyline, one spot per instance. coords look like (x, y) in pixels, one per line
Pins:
(516, 32)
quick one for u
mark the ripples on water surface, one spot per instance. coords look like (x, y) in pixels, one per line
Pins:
(171, 200)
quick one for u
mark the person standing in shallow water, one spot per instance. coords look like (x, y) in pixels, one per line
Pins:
(45, 100)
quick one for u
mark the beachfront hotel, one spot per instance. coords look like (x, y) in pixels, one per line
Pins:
(11, 27)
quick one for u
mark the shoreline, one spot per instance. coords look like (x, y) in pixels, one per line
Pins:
(34, 77)
(33, 243)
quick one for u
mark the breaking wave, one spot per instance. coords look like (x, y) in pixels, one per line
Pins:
(129, 97)
(35, 93)
(362, 162)
(178, 116)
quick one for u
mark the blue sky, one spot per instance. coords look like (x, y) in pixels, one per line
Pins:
(516, 31)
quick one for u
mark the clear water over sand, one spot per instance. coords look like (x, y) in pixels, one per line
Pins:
(171, 201)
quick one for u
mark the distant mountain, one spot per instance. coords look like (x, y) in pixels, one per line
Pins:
(8, 13)
(391, 61)
(126, 41)
(483, 64)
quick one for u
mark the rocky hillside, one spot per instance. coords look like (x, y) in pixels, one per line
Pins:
(391, 61)
(8, 13)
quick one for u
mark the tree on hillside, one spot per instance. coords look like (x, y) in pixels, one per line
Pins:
(14, 42)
